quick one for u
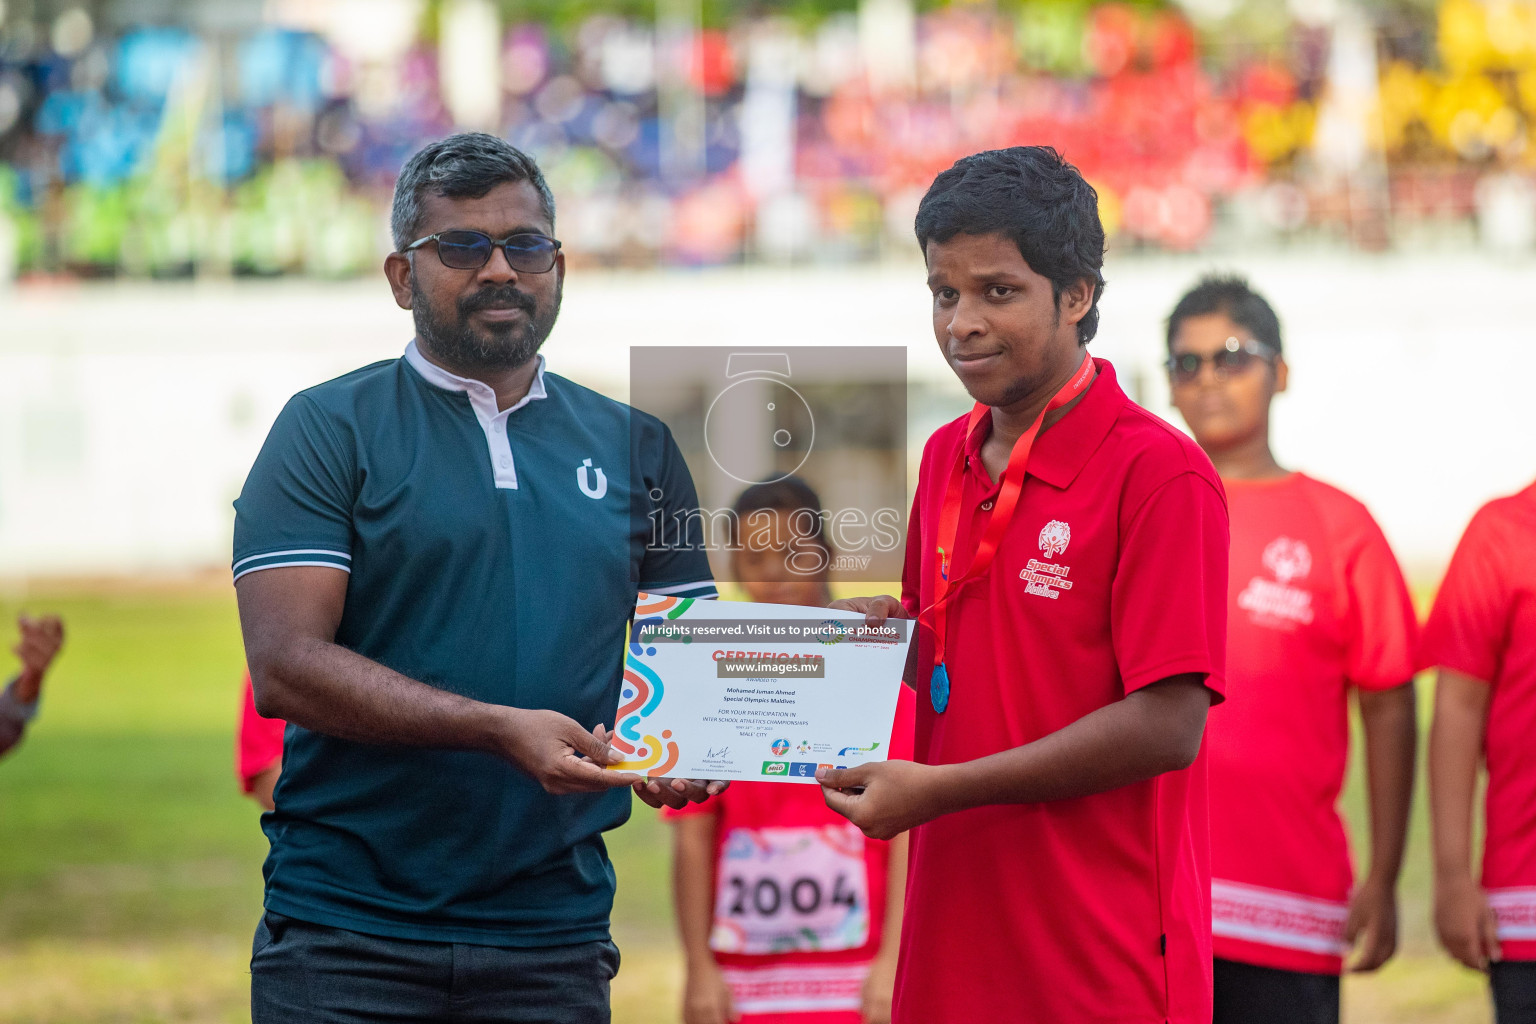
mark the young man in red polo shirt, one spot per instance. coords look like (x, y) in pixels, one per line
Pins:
(1317, 609)
(1067, 557)
(1482, 636)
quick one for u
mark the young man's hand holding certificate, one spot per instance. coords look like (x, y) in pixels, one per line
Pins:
(761, 692)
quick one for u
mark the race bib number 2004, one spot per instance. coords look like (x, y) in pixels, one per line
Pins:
(783, 890)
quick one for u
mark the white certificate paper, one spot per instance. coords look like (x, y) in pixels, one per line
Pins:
(760, 692)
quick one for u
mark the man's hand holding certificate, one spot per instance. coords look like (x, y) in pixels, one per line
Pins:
(761, 692)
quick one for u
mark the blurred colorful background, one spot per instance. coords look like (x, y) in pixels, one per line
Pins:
(261, 138)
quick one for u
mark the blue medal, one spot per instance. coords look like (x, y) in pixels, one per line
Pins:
(938, 688)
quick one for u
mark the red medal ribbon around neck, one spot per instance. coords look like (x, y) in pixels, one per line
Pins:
(936, 615)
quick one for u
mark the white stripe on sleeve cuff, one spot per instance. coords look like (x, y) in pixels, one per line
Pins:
(698, 588)
(293, 556)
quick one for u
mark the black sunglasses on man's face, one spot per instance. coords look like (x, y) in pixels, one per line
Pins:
(1233, 358)
(527, 253)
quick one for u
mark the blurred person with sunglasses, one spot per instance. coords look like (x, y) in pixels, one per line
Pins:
(436, 558)
(1318, 611)
(41, 639)
(1481, 635)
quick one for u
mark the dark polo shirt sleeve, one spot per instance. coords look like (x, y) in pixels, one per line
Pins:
(296, 508)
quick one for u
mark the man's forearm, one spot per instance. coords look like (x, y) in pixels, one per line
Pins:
(329, 689)
(1154, 730)
(289, 617)
(1391, 734)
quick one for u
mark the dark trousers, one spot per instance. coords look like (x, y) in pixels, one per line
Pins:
(1246, 994)
(304, 973)
(1514, 991)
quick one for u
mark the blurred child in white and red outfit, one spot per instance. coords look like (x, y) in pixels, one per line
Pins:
(788, 914)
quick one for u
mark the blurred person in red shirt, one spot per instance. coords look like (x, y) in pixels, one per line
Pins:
(1482, 636)
(1317, 610)
(786, 958)
(40, 641)
(258, 750)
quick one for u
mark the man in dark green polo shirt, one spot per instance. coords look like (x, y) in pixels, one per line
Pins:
(436, 559)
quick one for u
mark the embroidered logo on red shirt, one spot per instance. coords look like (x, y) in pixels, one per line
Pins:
(1045, 579)
(1054, 538)
(1276, 603)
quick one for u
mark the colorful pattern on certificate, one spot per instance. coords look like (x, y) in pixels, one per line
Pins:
(642, 693)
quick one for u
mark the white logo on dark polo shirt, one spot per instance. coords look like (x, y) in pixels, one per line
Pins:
(1046, 579)
(586, 487)
(1277, 603)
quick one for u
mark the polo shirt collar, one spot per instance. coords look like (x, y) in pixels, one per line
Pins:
(1061, 452)
(482, 399)
(477, 390)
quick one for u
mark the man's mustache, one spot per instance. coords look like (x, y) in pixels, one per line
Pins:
(498, 298)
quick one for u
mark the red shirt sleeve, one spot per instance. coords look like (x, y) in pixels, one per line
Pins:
(1467, 626)
(1168, 604)
(261, 740)
(1381, 625)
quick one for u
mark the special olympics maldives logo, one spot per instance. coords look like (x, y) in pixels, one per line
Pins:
(1054, 538)
(780, 748)
(1288, 559)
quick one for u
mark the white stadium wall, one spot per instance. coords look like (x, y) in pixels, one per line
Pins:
(129, 414)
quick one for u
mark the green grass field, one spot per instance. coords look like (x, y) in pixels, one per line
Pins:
(130, 865)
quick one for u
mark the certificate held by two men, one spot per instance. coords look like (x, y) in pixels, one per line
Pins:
(759, 692)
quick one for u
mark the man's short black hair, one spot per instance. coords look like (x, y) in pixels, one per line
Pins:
(1231, 296)
(462, 166)
(1033, 196)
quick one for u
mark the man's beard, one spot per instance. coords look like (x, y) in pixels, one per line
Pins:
(498, 346)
